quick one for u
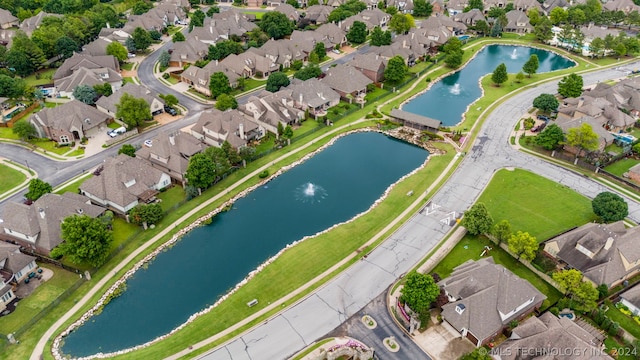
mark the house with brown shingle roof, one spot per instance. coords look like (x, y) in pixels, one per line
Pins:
(551, 337)
(214, 127)
(289, 11)
(604, 137)
(371, 18)
(97, 47)
(14, 265)
(84, 76)
(371, 65)
(7, 20)
(604, 253)
(92, 68)
(626, 6)
(69, 122)
(318, 14)
(269, 109)
(518, 22)
(456, 6)
(170, 153)
(199, 78)
(108, 104)
(124, 182)
(189, 51)
(37, 226)
(347, 81)
(28, 25)
(526, 5)
(470, 18)
(484, 297)
(311, 95)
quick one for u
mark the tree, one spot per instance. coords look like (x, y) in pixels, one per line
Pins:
(24, 129)
(213, 9)
(543, 30)
(133, 111)
(422, 8)
(308, 72)
(226, 101)
(482, 27)
(583, 137)
(419, 291)
(37, 188)
(130, 45)
(85, 93)
(477, 354)
(128, 150)
(358, 32)
(220, 159)
(157, 35)
(146, 214)
(164, 59)
(519, 77)
(276, 25)
(531, 66)
(570, 86)
(223, 49)
(502, 231)
(169, 99)
(140, 7)
(293, 3)
(219, 84)
(587, 296)
(550, 138)
(569, 280)
(500, 75)
(66, 46)
(496, 29)
(610, 207)
(231, 152)
(197, 19)
(558, 15)
(86, 239)
(25, 56)
(201, 171)
(177, 37)
(396, 70)
(277, 80)
(279, 129)
(534, 16)
(12, 87)
(104, 89)
(400, 23)
(320, 50)
(523, 245)
(141, 38)
(546, 102)
(477, 219)
(379, 37)
(474, 4)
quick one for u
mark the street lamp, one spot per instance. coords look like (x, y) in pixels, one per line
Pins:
(26, 162)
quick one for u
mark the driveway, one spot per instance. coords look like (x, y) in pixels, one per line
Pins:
(442, 341)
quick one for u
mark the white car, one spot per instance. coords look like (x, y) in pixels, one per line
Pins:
(130, 55)
(335, 51)
(148, 143)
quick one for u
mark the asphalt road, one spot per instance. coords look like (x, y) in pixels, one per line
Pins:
(333, 304)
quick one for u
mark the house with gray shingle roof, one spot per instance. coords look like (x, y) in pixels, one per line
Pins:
(347, 81)
(549, 5)
(318, 14)
(289, 11)
(14, 265)
(214, 127)
(631, 299)
(124, 182)
(371, 65)
(604, 137)
(518, 22)
(537, 336)
(28, 25)
(456, 6)
(37, 226)
(604, 253)
(170, 153)
(470, 18)
(270, 109)
(97, 47)
(7, 20)
(91, 69)
(484, 297)
(311, 95)
(525, 5)
(69, 122)
(371, 18)
(199, 78)
(626, 6)
(107, 104)
(189, 51)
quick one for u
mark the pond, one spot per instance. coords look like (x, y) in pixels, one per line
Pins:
(458, 90)
(333, 186)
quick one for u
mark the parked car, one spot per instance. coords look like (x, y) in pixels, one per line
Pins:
(148, 143)
(130, 55)
(543, 118)
(170, 110)
(115, 132)
(539, 127)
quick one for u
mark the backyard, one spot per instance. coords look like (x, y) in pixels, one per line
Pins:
(620, 167)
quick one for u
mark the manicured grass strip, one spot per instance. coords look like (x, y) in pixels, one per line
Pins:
(7, 133)
(40, 78)
(535, 204)
(625, 321)
(623, 352)
(50, 146)
(621, 166)
(10, 178)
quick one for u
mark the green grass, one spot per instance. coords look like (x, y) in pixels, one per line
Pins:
(470, 248)
(171, 80)
(127, 66)
(171, 197)
(258, 14)
(72, 187)
(45, 77)
(621, 166)
(624, 351)
(10, 178)
(305, 126)
(613, 148)
(49, 146)
(266, 143)
(39, 299)
(7, 133)
(374, 94)
(625, 321)
(127, 79)
(535, 204)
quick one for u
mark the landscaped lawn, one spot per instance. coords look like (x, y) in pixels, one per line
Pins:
(7, 133)
(74, 153)
(127, 66)
(375, 94)
(44, 78)
(122, 232)
(127, 79)
(171, 197)
(50, 104)
(625, 321)
(621, 166)
(624, 352)
(9, 178)
(50, 146)
(305, 126)
(258, 14)
(72, 187)
(535, 204)
(267, 143)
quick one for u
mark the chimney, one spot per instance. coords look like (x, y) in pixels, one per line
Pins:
(608, 244)
(210, 29)
(241, 130)
(404, 43)
(172, 139)
(41, 212)
(300, 98)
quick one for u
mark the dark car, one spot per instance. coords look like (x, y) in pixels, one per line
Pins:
(543, 117)
(539, 127)
(170, 110)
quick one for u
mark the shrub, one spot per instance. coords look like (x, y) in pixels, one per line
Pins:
(554, 311)
(263, 174)
(166, 76)
(529, 123)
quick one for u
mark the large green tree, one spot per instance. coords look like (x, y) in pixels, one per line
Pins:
(543, 30)
(523, 245)
(583, 138)
(401, 23)
(569, 280)
(610, 207)
(379, 37)
(141, 39)
(86, 239)
(477, 219)
(583, 292)
(128, 150)
(502, 231)
(24, 129)
(453, 50)
(550, 138)
(357, 33)
(277, 80)
(146, 214)
(201, 171)
(546, 102)
(500, 75)
(422, 8)
(276, 25)
(197, 19)
(308, 72)
(219, 84)
(37, 188)
(531, 66)
(225, 102)
(419, 291)
(164, 59)
(66, 46)
(85, 94)
(12, 87)
(133, 111)
(571, 86)
(396, 70)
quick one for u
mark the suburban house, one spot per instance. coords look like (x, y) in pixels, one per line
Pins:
(371, 65)
(526, 5)
(188, 52)
(634, 173)
(350, 83)
(518, 22)
(37, 226)
(69, 122)
(7, 20)
(222, 26)
(603, 103)
(438, 29)
(157, 18)
(170, 153)
(329, 34)
(281, 53)
(289, 11)
(199, 78)
(403, 6)
(604, 253)
(484, 297)
(626, 6)
(371, 18)
(6, 38)
(97, 47)
(311, 95)
(83, 69)
(539, 335)
(214, 127)
(107, 104)
(269, 110)
(604, 137)
(317, 14)
(489, 4)
(124, 182)
(470, 18)
(549, 5)
(631, 299)
(14, 265)
(6, 295)
(28, 25)
(455, 7)
(114, 34)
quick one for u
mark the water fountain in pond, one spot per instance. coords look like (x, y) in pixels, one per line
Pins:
(310, 193)
(514, 54)
(455, 90)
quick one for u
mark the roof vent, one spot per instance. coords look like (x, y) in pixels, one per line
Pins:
(460, 308)
(80, 211)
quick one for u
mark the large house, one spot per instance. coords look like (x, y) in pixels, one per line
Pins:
(518, 22)
(604, 137)
(199, 78)
(604, 253)
(124, 182)
(215, 127)
(484, 298)
(310, 95)
(84, 69)
(7, 20)
(28, 25)
(270, 109)
(37, 226)
(371, 65)
(107, 104)
(350, 83)
(170, 153)
(69, 122)
(14, 265)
